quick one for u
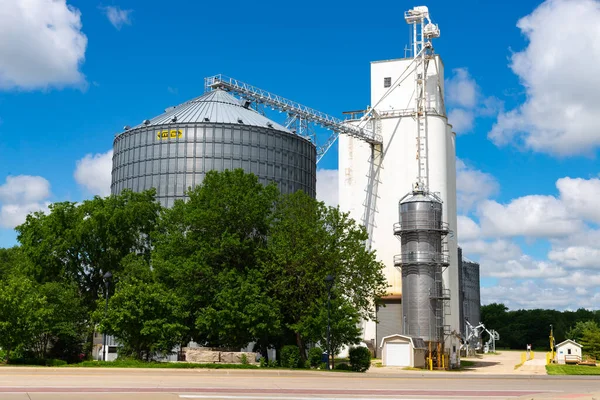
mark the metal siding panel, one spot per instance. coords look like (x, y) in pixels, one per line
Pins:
(390, 321)
(207, 148)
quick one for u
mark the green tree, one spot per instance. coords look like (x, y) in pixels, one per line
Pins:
(208, 251)
(576, 332)
(79, 243)
(22, 313)
(144, 317)
(12, 261)
(241, 311)
(587, 333)
(63, 323)
(308, 241)
(344, 323)
(590, 340)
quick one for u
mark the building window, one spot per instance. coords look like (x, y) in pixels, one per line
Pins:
(568, 351)
(387, 82)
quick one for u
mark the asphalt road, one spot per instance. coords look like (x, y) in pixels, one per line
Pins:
(170, 384)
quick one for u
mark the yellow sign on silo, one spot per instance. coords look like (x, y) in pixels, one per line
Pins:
(172, 134)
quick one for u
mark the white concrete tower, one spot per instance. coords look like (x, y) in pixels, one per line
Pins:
(416, 149)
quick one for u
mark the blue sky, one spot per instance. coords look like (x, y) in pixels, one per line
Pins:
(512, 88)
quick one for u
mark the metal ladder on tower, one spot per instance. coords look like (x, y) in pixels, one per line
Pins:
(370, 203)
(421, 121)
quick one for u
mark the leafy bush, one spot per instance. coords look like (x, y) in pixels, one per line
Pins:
(263, 362)
(290, 357)
(360, 358)
(272, 364)
(156, 364)
(26, 361)
(50, 362)
(244, 359)
(343, 367)
(314, 357)
(54, 362)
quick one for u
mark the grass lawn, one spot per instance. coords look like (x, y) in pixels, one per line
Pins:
(464, 364)
(572, 370)
(170, 365)
(142, 364)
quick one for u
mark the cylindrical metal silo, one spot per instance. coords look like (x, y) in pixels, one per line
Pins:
(422, 261)
(173, 151)
(471, 289)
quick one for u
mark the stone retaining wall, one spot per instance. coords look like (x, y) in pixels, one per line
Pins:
(204, 355)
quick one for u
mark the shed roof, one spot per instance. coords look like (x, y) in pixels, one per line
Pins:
(417, 342)
(216, 106)
(567, 342)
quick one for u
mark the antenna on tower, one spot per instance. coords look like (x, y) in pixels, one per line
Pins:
(423, 32)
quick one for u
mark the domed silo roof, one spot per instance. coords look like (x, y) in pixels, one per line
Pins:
(216, 106)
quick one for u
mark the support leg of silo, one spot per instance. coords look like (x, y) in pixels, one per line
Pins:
(430, 358)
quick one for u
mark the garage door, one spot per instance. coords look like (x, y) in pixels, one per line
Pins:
(398, 354)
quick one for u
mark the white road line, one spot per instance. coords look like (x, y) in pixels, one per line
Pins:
(202, 396)
(206, 388)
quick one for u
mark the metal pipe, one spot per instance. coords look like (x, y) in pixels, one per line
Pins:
(104, 355)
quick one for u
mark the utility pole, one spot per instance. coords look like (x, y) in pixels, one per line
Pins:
(329, 281)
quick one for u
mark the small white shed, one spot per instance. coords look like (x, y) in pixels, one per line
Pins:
(568, 352)
(402, 351)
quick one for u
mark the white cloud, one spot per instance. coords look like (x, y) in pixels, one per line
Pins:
(461, 89)
(585, 237)
(327, 186)
(578, 251)
(94, 173)
(41, 44)
(24, 189)
(117, 16)
(581, 196)
(559, 115)
(531, 216)
(578, 279)
(473, 186)
(21, 195)
(529, 295)
(464, 98)
(462, 94)
(496, 250)
(462, 121)
(522, 267)
(467, 229)
(577, 257)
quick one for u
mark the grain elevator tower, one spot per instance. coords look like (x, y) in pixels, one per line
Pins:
(417, 158)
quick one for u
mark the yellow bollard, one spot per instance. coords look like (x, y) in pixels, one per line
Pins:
(531, 355)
